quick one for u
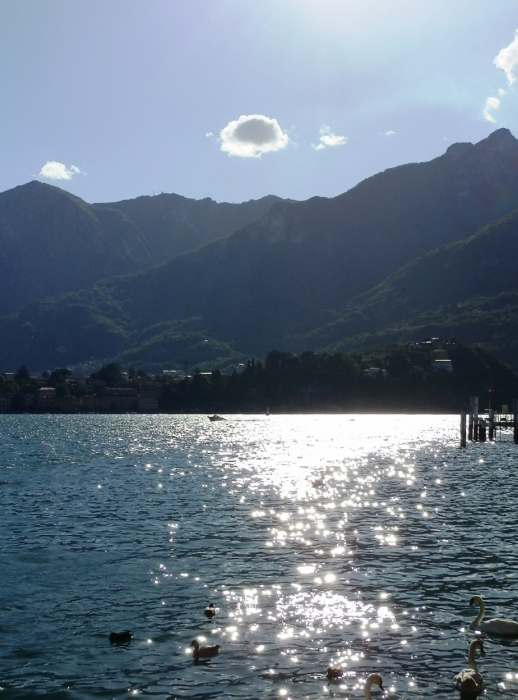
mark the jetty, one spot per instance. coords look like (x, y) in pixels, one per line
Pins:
(479, 426)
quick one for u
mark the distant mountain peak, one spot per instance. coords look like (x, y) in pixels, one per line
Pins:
(500, 140)
(500, 134)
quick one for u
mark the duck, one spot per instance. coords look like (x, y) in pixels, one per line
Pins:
(334, 672)
(504, 628)
(210, 610)
(206, 652)
(120, 637)
(372, 679)
(469, 681)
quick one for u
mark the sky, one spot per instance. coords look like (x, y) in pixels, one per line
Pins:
(237, 99)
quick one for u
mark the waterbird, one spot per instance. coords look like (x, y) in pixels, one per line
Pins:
(206, 652)
(119, 637)
(372, 679)
(469, 681)
(210, 610)
(504, 628)
(334, 672)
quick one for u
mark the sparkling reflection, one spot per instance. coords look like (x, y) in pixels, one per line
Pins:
(321, 541)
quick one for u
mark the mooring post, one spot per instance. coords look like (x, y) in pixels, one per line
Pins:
(476, 426)
(482, 430)
(491, 424)
(463, 428)
(470, 430)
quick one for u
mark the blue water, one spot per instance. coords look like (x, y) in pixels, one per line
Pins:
(138, 522)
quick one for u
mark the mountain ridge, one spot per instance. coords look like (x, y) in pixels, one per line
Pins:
(53, 242)
(273, 282)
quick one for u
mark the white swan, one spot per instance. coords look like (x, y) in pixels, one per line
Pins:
(372, 679)
(504, 628)
(469, 681)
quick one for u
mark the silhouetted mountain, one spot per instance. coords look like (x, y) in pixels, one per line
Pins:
(172, 224)
(270, 284)
(53, 242)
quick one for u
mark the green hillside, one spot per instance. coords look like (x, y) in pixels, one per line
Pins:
(467, 290)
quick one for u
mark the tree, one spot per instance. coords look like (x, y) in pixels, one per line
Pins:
(110, 375)
(62, 389)
(23, 375)
(59, 375)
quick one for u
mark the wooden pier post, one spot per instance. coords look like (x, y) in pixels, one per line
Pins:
(470, 429)
(476, 426)
(482, 430)
(463, 428)
(491, 424)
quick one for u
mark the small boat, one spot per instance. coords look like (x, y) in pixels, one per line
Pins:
(216, 416)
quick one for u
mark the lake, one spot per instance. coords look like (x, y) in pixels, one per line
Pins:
(322, 540)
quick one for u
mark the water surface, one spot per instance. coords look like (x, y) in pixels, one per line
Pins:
(322, 540)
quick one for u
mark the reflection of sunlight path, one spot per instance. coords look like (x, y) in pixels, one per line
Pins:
(314, 609)
(327, 495)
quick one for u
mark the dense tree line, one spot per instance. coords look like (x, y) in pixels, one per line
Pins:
(310, 382)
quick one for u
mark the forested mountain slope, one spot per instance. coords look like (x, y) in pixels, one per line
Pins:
(53, 242)
(172, 224)
(467, 289)
(273, 282)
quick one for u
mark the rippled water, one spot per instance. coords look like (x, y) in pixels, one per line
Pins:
(322, 540)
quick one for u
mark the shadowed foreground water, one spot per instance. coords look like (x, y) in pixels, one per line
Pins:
(322, 540)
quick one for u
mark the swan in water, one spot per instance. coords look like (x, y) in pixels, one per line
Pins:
(372, 679)
(504, 628)
(469, 681)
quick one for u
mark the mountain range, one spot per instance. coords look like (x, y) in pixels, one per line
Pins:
(53, 242)
(420, 249)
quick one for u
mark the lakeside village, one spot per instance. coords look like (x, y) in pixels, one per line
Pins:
(426, 376)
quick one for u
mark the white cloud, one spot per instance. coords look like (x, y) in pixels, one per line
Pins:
(252, 135)
(492, 103)
(52, 170)
(389, 133)
(328, 139)
(507, 59)
(209, 134)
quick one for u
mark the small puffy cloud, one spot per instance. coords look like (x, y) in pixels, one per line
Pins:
(328, 139)
(209, 134)
(52, 170)
(389, 133)
(492, 103)
(507, 59)
(252, 135)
